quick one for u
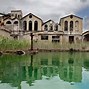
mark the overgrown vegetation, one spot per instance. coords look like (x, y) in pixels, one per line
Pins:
(11, 44)
(62, 46)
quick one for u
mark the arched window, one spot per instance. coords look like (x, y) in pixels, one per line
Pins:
(56, 27)
(30, 25)
(16, 22)
(71, 16)
(77, 25)
(15, 15)
(46, 27)
(71, 25)
(35, 26)
(51, 27)
(30, 16)
(25, 25)
(66, 26)
(8, 22)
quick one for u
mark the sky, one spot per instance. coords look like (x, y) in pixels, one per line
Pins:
(49, 9)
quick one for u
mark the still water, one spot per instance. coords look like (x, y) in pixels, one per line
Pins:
(45, 71)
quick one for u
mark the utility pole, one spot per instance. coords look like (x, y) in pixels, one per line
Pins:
(31, 41)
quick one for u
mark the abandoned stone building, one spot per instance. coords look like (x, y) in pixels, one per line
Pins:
(68, 30)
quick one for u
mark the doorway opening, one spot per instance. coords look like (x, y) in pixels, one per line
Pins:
(71, 39)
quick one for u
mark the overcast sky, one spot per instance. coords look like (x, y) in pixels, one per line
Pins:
(49, 9)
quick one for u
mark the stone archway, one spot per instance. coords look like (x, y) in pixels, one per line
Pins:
(86, 36)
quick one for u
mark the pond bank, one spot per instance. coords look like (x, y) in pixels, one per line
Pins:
(34, 51)
(63, 50)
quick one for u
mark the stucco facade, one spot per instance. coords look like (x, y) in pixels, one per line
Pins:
(68, 30)
(50, 26)
(72, 26)
(5, 33)
(29, 20)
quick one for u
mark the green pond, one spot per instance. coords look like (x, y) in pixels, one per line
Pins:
(53, 70)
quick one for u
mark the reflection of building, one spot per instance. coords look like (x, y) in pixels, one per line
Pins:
(69, 29)
(86, 62)
(31, 68)
(71, 68)
(70, 72)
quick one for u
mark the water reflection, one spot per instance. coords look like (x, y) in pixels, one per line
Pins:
(15, 69)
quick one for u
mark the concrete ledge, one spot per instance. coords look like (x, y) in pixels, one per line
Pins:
(35, 51)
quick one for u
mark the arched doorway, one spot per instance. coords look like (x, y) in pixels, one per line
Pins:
(71, 39)
(86, 36)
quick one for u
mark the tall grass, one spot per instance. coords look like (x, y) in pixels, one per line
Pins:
(62, 46)
(11, 44)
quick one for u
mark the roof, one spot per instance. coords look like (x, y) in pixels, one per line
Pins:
(16, 10)
(71, 15)
(10, 18)
(84, 33)
(3, 29)
(52, 33)
(33, 15)
(47, 21)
